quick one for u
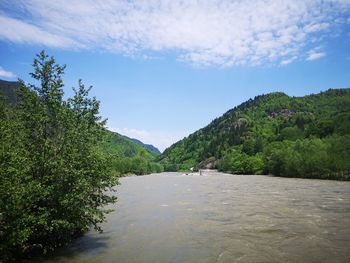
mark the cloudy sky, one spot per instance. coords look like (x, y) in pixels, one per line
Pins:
(165, 68)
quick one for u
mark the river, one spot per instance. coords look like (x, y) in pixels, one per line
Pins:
(171, 217)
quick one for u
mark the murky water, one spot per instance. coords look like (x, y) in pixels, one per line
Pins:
(221, 218)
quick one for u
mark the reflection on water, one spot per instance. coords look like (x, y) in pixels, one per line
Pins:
(221, 218)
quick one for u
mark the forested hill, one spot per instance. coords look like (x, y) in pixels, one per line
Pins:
(130, 157)
(8, 90)
(273, 133)
(128, 148)
(147, 146)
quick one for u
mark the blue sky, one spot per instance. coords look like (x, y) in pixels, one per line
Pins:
(163, 69)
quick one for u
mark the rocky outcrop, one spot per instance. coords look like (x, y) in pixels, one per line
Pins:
(207, 164)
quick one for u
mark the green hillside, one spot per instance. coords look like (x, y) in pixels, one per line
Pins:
(8, 90)
(130, 157)
(147, 146)
(276, 134)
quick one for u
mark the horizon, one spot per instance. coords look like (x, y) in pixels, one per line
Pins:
(163, 70)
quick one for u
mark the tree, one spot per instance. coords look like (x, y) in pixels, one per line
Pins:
(54, 174)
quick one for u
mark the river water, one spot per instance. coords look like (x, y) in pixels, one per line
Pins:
(217, 217)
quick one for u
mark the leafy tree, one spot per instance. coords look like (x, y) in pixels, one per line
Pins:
(54, 173)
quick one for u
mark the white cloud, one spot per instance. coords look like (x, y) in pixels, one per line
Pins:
(160, 139)
(6, 74)
(211, 32)
(314, 55)
(288, 61)
(315, 27)
(18, 31)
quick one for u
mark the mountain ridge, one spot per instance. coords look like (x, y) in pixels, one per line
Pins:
(148, 146)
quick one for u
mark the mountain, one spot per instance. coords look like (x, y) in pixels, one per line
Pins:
(273, 133)
(127, 147)
(147, 146)
(128, 156)
(8, 90)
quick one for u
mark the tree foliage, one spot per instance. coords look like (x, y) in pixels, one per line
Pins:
(53, 171)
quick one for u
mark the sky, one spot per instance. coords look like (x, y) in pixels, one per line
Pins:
(164, 69)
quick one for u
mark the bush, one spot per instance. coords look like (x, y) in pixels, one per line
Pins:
(241, 163)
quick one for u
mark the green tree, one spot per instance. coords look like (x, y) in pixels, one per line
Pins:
(54, 174)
